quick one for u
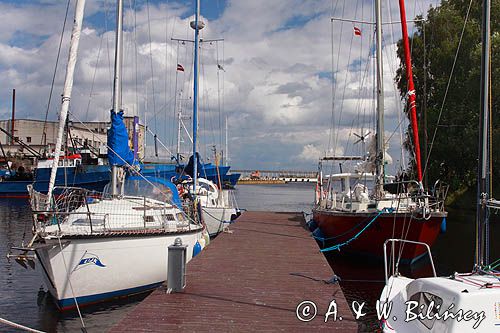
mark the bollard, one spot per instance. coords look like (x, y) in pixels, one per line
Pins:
(176, 275)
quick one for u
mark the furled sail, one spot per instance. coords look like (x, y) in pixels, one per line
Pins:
(189, 170)
(119, 152)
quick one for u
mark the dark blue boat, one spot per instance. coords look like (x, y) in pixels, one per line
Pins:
(92, 177)
(207, 171)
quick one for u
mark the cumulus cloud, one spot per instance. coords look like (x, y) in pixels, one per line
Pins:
(310, 153)
(275, 89)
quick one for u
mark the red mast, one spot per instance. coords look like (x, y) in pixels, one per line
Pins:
(411, 89)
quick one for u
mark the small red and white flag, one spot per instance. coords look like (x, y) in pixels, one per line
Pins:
(180, 68)
(357, 31)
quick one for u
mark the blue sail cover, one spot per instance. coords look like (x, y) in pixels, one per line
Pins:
(189, 169)
(119, 152)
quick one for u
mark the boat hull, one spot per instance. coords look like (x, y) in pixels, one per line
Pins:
(208, 171)
(104, 268)
(216, 218)
(91, 177)
(339, 227)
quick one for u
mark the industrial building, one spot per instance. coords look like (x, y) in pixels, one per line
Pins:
(41, 136)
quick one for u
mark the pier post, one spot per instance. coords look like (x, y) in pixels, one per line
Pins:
(176, 275)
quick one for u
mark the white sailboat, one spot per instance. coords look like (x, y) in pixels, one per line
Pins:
(468, 302)
(96, 246)
(217, 211)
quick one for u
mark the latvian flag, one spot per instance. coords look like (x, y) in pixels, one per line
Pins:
(180, 68)
(357, 31)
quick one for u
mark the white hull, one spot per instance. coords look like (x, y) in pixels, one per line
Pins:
(216, 218)
(472, 302)
(217, 209)
(103, 268)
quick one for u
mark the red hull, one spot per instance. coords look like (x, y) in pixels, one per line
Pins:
(388, 225)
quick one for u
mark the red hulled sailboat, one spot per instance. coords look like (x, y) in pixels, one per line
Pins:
(358, 211)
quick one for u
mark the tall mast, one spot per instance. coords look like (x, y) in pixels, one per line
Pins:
(412, 102)
(197, 25)
(13, 119)
(117, 93)
(380, 101)
(68, 87)
(179, 127)
(226, 151)
(481, 256)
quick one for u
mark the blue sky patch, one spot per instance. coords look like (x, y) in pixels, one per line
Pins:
(27, 40)
(325, 75)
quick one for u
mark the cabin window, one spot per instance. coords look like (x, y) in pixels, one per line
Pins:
(169, 217)
(28, 139)
(425, 299)
(149, 218)
(180, 217)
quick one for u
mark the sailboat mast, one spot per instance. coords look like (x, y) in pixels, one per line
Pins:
(412, 99)
(68, 87)
(226, 151)
(379, 161)
(117, 93)
(179, 128)
(196, 26)
(484, 147)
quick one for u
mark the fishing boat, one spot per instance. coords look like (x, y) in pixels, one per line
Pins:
(72, 172)
(462, 302)
(93, 246)
(357, 211)
(207, 170)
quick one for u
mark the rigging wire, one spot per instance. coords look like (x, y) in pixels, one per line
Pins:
(93, 77)
(447, 87)
(136, 81)
(397, 99)
(334, 76)
(166, 82)
(108, 48)
(344, 87)
(218, 94)
(152, 70)
(343, 95)
(44, 135)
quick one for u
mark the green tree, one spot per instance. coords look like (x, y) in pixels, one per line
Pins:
(454, 151)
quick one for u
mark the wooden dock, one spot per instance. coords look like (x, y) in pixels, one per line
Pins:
(249, 279)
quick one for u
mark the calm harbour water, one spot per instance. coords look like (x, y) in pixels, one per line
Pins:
(23, 298)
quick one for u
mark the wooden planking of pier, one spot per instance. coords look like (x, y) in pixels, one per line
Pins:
(249, 279)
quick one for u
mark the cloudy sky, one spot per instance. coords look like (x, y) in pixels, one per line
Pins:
(275, 86)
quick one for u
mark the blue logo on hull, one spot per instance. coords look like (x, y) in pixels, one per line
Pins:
(91, 260)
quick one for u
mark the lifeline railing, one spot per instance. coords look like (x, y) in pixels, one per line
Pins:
(75, 205)
(394, 268)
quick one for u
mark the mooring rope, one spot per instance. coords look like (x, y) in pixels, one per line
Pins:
(338, 246)
(19, 326)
